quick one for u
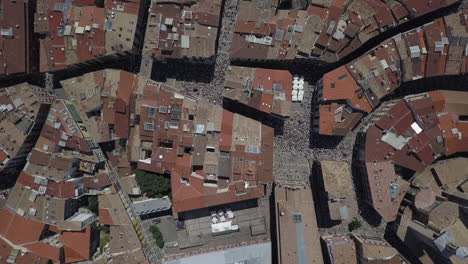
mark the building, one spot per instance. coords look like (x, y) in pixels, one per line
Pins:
(433, 222)
(335, 119)
(212, 156)
(297, 232)
(125, 245)
(352, 90)
(337, 192)
(23, 111)
(182, 29)
(245, 253)
(8, 254)
(45, 241)
(328, 30)
(340, 249)
(376, 251)
(74, 33)
(150, 206)
(266, 90)
(50, 190)
(16, 38)
(408, 138)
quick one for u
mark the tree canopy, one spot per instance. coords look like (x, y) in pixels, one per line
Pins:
(355, 224)
(154, 185)
(157, 236)
(93, 204)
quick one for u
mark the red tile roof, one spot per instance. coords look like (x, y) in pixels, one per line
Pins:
(441, 134)
(97, 181)
(22, 258)
(19, 230)
(77, 245)
(105, 217)
(339, 84)
(45, 250)
(14, 56)
(261, 29)
(381, 176)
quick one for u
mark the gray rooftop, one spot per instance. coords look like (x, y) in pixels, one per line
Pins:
(151, 206)
(255, 254)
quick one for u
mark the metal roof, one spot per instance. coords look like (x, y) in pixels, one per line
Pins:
(254, 254)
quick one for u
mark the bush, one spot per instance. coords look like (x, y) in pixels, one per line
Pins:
(104, 228)
(154, 185)
(103, 241)
(157, 236)
(353, 225)
(93, 204)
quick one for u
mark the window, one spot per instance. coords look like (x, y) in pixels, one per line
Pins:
(277, 87)
(163, 109)
(261, 4)
(342, 77)
(252, 149)
(297, 218)
(166, 144)
(149, 126)
(151, 112)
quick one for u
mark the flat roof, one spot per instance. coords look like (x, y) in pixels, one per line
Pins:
(255, 254)
(297, 232)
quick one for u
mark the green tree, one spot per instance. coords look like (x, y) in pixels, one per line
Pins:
(157, 236)
(93, 204)
(353, 225)
(104, 228)
(154, 185)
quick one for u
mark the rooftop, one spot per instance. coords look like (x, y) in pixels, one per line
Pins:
(341, 249)
(296, 223)
(335, 119)
(20, 106)
(177, 31)
(8, 253)
(328, 30)
(375, 250)
(80, 32)
(213, 156)
(151, 206)
(259, 253)
(434, 49)
(339, 189)
(15, 38)
(412, 134)
(269, 91)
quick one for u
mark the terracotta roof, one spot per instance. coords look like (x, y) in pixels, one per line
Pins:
(97, 181)
(19, 230)
(335, 120)
(14, 57)
(45, 250)
(339, 84)
(262, 29)
(341, 249)
(22, 257)
(77, 245)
